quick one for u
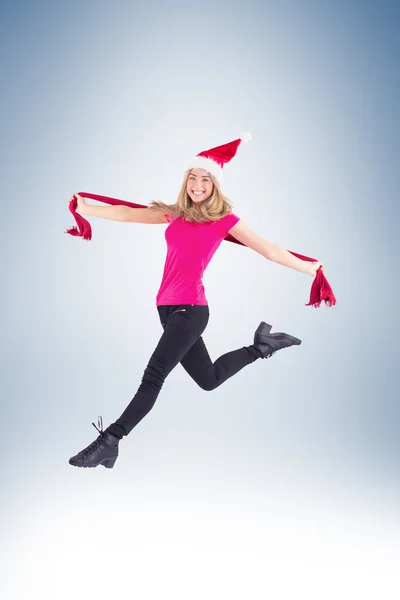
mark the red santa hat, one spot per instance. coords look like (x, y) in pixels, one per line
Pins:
(213, 160)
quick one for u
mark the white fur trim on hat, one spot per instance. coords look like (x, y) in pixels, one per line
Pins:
(246, 137)
(202, 162)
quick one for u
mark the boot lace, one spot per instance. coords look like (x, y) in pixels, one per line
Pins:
(100, 425)
(271, 353)
(96, 442)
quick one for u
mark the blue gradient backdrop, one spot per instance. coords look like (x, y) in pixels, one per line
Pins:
(283, 482)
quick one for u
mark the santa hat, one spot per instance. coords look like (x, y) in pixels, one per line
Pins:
(213, 160)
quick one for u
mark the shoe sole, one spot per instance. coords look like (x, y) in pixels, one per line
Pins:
(108, 463)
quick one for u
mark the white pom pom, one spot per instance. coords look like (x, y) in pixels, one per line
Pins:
(245, 137)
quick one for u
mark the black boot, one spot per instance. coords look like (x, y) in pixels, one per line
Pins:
(268, 343)
(103, 451)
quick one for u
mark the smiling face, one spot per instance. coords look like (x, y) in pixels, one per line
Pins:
(199, 185)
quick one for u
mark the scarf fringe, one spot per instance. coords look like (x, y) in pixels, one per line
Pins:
(74, 231)
(317, 304)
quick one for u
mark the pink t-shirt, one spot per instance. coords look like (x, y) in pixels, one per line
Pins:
(190, 247)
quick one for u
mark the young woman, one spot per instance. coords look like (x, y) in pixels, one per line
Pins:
(198, 222)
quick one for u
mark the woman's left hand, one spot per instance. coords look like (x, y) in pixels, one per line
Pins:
(314, 268)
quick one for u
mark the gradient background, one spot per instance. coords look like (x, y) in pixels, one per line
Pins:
(284, 482)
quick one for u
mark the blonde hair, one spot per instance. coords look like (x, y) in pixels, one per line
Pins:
(212, 209)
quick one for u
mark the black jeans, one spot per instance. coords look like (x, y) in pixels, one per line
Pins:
(182, 343)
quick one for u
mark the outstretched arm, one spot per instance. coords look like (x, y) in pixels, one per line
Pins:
(119, 212)
(271, 251)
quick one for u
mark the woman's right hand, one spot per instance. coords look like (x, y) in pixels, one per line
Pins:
(81, 201)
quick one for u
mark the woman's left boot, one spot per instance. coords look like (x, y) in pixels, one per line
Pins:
(268, 343)
(103, 451)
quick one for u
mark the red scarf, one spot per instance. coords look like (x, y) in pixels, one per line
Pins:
(320, 290)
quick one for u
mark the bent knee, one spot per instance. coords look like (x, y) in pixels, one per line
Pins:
(208, 386)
